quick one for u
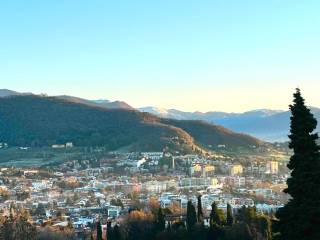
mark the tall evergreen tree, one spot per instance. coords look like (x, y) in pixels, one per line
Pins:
(229, 215)
(216, 229)
(247, 214)
(300, 217)
(215, 219)
(116, 233)
(191, 216)
(99, 231)
(161, 224)
(200, 212)
(109, 233)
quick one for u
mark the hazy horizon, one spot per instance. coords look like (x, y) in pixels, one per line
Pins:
(146, 105)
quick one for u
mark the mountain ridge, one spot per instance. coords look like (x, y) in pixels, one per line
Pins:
(42, 121)
(104, 103)
(266, 124)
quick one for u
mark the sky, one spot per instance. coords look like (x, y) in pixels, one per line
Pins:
(204, 55)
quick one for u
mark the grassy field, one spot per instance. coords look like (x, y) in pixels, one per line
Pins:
(36, 157)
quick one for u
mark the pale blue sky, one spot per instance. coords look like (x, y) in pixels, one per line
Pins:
(191, 55)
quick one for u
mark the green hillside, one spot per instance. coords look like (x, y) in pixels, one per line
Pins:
(42, 121)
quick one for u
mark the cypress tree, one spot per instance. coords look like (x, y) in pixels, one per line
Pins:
(116, 233)
(109, 233)
(99, 231)
(200, 212)
(161, 224)
(300, 217)
(229, 215)
(241, 214)
(215, 219)
(191, 216)
(250, 214)
(216, 230)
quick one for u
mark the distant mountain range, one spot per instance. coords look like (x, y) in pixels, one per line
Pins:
(97, 103)
(7, 93)
(265, 124)
(94, 103)
(269, 125)
(33, 120)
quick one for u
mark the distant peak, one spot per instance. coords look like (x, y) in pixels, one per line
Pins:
(7, 93)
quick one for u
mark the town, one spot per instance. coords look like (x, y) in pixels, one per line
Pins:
(76, 194)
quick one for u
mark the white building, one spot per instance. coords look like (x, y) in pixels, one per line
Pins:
(272, 167)
(153, 155)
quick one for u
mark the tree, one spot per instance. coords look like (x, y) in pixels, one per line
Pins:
(239, 231)
(229, 215)
(300, 217)
(264, 226)
(99, 231)
(160, 224)
(109, 231)
(191, 216)
(154, 205)
(200, 212)
(139, 225)
(40, 210)
(17, 227)
(116, 233)
(23, 196)
(215, 218)
(75, 198)
(116, 202)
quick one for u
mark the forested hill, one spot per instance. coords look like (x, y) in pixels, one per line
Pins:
(42, 121)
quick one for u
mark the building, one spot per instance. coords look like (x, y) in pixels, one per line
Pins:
(236, 169)
(236, 181)
(30, 172)
(154, 186)
(113, 211)
(152, 155)
(197, 182)
(272, 167)
(69, 145)
(201, 170)
(58, 146)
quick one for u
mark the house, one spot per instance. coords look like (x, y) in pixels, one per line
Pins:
(155, 186)
(113, 212)
(57, 146)
(152, 155)
(30, 172)
(235, 169)
(69, 145)
(272, 167)
(204, 170)
(83, 222)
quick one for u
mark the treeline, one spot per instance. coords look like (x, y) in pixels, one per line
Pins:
(18, 225)
(246, 224)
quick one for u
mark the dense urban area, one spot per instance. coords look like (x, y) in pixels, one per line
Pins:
(71, 198)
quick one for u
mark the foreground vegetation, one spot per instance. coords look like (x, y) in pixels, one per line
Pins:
(247, 224)
(151, 223)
